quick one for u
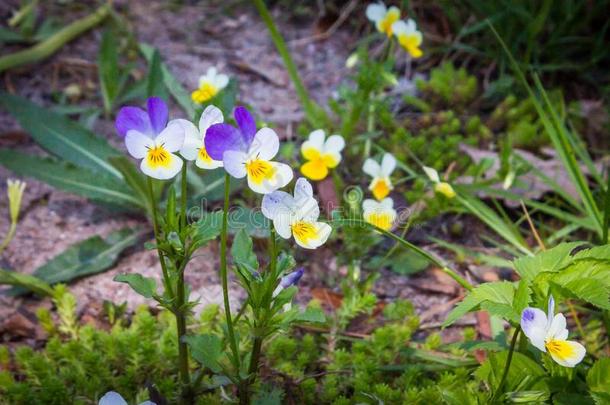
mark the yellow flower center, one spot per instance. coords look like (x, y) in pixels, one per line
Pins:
(203, 155)
(380, 188)
(390, 18)
(445, 189)
(158, 157)
(259, 170)
(381, 220)
(560, 348)
(204, 93)
(411, 44)
(303, 231)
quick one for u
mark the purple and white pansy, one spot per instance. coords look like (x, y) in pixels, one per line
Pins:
(194, 148)
(289, 280)
(246, 152)
(148, 136)
(548, 332)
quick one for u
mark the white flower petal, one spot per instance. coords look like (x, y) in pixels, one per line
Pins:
(370, 205)
(164, 172)
(302, 189)
(399, 28)
(235, 163)
(316, 139)
(282, 225)
(411, 26)
(265, 145)
(172, 137)
(277, 203)
(570, 354)
(387, 203)
(308, 210)
(112, 398)
(282, 175)
(376, 11)
(192, 140)
(138, 144)
(208, 164)
(432, 174)
(221, 81)
(372, 168)
(334, 144)
(210, 116)
(388, 164)
(557, 327)
(534, 325)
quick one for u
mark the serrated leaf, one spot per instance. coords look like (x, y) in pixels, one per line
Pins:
(242, 251)
(548, 261)
(206, 229)
(145, 286)
(84, 182)
(25, 282)
(62, 137)
(498, 296)
(522, 296)
(206, 349)
(524, 373)
(88, 257)
(589, 290)
(598, 378)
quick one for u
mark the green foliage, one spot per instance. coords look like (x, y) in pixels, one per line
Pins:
(449, 87)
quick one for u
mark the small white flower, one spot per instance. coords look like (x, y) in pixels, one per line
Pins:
(381, 184)
(209, 85)
(379, 213)
(548, 332)
(408, 37)
(321, 155)
(383, 17)
(441, 187)
(297, 215)
(114, 398)
(194, 147)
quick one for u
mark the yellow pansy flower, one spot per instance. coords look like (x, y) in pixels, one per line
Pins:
(440, 187)
(408, 37)
(209, 85)
(321, 155)
(379, 213)
(381, 184)
(383, 17)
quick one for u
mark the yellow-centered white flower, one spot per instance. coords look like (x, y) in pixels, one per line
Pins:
(210, 84)
(381, 184)
(383, 17)
(441, 187)
(408, 37)
(194, 147)
(379, 213)
(321, 154)
(548, 333)
(297, 215)
(158, 159)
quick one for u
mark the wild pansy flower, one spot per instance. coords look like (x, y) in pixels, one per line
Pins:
(147, 137)
(381, 184)
(379, 213)
(114, 398)
(288, 280)
(548, 332)
(246, 152)
(194, 148)
(408, 37)
(441, 187)
(321, 155)
(297, 215)
(383, 17)
(209, 85)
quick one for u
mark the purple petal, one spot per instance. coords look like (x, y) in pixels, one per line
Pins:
(157, 111)
(134, 118)
(223, 137)
(246, 124)
(292, 278)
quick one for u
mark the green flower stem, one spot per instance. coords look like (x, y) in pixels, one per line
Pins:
(155, 219)
(49, 46)
(509, 359)
(9, 236)
(280, 44)
(223, 274)
(358, 222)
(180, 310)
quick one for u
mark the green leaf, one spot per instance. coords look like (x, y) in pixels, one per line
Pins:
(548, 261)
(62, 137)
(108, 69)
(90, 256)
(311, 315)
(206, 349)
(206, 229)
(497, 298)
(598, 380)
(242, 251)
(25, 282)
(133, 177)
(81, 181)
(253, 222)
(589, 290)
(155, 86)
(524, 373)
(145, 286)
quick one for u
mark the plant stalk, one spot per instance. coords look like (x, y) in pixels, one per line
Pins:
(509, 359)
(155, 220)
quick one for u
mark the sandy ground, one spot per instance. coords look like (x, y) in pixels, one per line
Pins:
(190, 39)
